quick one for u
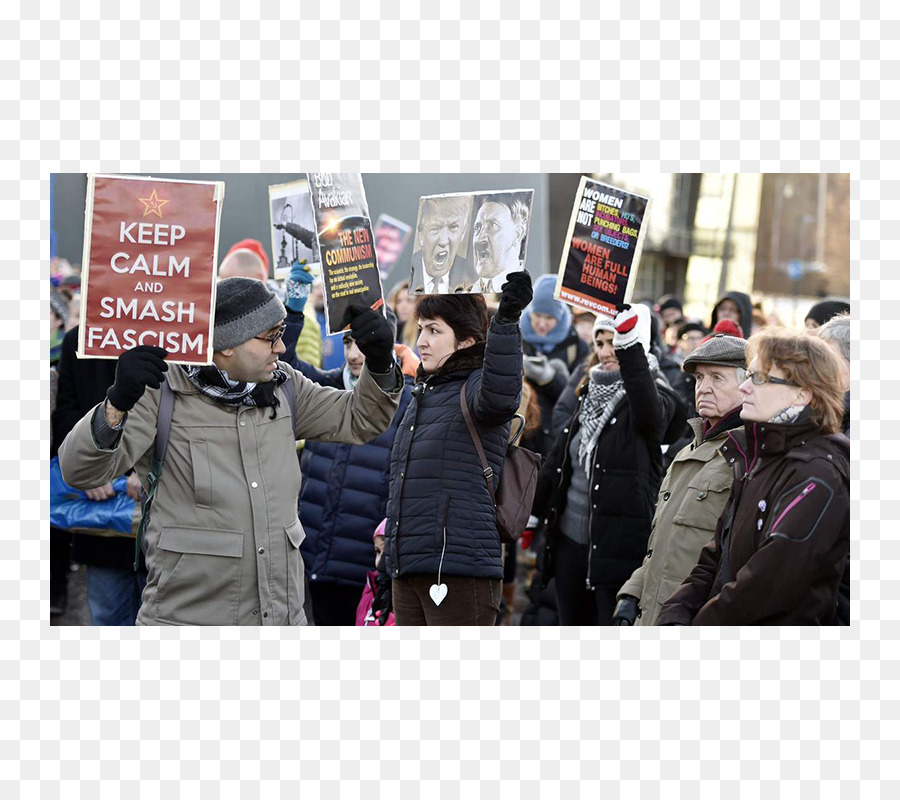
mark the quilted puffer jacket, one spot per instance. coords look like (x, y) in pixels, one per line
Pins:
(439, 503)
(345, 489)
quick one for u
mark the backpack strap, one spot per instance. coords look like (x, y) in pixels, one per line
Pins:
(290, 392)
(163, 424)
(476, 440)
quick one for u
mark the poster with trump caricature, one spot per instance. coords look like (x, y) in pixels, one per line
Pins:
(469, 242)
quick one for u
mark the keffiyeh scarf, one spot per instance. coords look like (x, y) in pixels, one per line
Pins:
(605, 391)
(215, 383)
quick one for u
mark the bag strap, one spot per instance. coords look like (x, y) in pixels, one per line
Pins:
(476, 440)
(515, 439)
(163, 424)
(290, 392)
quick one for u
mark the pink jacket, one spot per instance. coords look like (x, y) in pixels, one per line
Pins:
(364, 614)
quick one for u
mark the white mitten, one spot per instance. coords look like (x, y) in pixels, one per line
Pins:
(626, 324)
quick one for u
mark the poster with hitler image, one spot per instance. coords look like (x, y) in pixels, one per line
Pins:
(149, 275)
(606, 234)
(470, 242)
(346, 246)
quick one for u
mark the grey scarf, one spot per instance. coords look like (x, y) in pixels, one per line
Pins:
(787, 416)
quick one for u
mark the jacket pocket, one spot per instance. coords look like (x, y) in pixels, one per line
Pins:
(294, 536)
(704, 501)
(200, 581)
(202, 474)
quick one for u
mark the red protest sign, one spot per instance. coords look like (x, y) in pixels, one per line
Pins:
(149, 273)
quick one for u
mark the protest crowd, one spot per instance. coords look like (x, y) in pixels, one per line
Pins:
(692, 470)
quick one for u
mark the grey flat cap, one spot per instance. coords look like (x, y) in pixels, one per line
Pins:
(725, 351)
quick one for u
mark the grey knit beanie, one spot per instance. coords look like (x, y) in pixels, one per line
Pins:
(244, 308)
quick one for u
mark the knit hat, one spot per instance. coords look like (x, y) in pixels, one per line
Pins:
(669, 301)
(606, 323)
(693, 325)
(250, 251)
(603, 323)
(381, 530)
(824, 311)
(244, 308)
(543, 301)
(728, 327)
(725, 351)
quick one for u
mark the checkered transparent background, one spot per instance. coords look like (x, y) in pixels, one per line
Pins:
(454, 86)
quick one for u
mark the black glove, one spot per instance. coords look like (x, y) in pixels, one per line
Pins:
(136, 370)
(626, 610)
(383, 602)
(373, 337)
(514, 296)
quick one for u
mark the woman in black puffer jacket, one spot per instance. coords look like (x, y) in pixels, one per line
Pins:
(442, 547)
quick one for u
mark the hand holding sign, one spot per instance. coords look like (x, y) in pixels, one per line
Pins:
(625, 323)
(515, 295)
(373, 337)
(137, 369)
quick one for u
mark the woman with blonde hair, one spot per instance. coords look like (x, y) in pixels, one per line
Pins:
(403, 304)
(782, 542)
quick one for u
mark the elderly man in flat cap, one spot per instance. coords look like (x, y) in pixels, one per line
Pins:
(695, 490)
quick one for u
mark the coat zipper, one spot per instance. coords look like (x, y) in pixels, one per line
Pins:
(587, 581)
(416, 399)
(791, 505)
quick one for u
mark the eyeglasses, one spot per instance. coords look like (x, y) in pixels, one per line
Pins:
(761, 379)
(274, 339)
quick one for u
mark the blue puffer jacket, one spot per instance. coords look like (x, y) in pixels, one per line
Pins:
(439, 501)
(343, 497)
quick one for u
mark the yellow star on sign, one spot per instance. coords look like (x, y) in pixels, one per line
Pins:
(153, 204)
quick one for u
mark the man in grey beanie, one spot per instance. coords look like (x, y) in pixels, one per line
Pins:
(695, 489)
(222, 541)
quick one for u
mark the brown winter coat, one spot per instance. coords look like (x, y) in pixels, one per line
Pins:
(780, 547)
(691, 499)
(223, 538)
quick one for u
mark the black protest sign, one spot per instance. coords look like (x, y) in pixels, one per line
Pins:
(599, 265)
(346, 246)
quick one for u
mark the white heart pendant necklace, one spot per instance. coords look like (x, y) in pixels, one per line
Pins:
(438, 591)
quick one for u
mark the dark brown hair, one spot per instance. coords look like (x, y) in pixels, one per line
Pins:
(808, 362)
(592, 360)
(466, 314)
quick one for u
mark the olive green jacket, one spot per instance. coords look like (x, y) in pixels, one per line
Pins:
(222, 544)
(692, 497)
